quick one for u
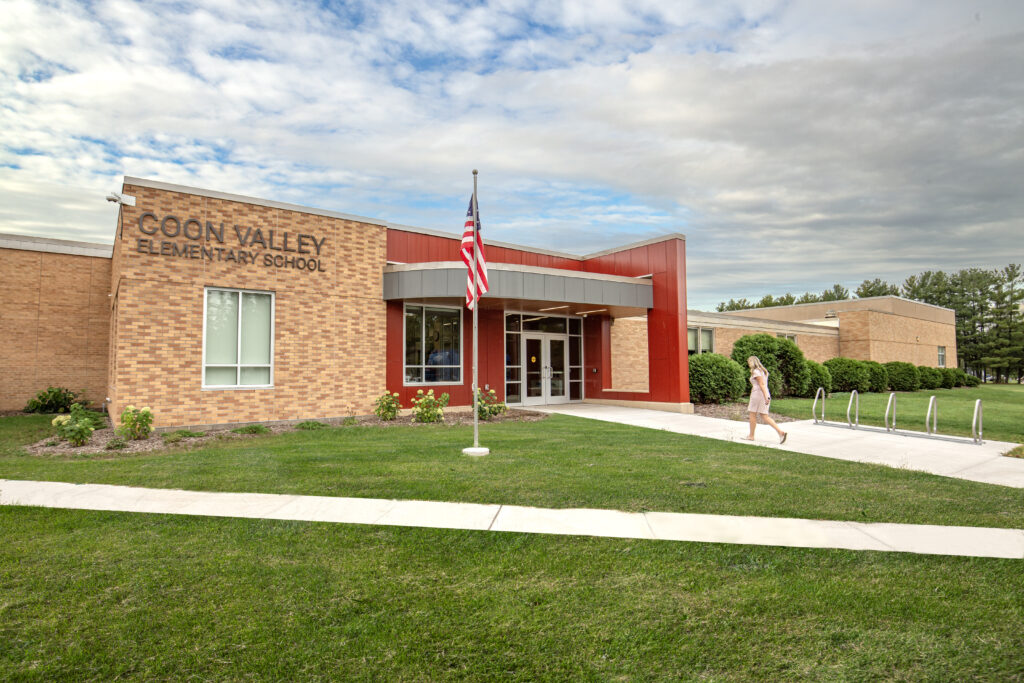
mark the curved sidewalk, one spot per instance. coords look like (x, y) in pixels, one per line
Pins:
(984, 463)
(664, 526)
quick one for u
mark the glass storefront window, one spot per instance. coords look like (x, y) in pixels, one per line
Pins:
(433, 344)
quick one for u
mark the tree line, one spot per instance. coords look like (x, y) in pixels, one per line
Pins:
(988, 306)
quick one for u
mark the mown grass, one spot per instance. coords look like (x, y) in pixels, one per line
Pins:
(1002, 409)
(97, 596)
(559, 462)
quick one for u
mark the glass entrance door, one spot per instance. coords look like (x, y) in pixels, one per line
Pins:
(544, 368)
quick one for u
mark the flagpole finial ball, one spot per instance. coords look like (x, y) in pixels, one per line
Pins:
(475, 171)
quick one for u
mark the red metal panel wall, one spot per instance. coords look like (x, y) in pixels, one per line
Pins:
(414, 247)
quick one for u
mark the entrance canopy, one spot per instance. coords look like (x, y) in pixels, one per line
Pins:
(516, 287)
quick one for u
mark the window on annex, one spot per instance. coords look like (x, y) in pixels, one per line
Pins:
(238, 339)
(790, 337)
(942, 356)
(433, 345)
(700, 340)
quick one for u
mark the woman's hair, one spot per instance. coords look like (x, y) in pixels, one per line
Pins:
(757, 364)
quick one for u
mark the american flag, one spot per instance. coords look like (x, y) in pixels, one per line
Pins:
(467, 258)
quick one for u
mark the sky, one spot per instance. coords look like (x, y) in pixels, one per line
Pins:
(795, 144)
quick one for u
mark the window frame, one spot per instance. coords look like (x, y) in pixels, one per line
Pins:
(700, 346)
(942, 356)
(239, 365)
(461, 366)
(786, 335)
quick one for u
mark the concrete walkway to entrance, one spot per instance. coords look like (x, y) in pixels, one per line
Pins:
(984, 463)
(665, 526)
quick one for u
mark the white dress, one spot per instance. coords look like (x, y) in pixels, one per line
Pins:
(758, 402)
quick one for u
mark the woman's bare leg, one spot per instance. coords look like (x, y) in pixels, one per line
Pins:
(768, 419)
(753, 424)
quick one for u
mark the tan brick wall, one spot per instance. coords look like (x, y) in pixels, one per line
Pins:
(54, 325)
(884, 337)
(630, 366)
(329, 330)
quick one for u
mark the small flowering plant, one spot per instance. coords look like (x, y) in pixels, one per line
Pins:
(427, 407)
(386, 407)
(136, 423)
(488, 405)
(75, 428)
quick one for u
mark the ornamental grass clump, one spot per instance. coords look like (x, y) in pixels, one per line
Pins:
(75, 428)
(488, 405)
(136, 423)
(387, 405)
(427, 407)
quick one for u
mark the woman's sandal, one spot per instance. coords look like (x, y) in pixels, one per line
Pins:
(783, 439)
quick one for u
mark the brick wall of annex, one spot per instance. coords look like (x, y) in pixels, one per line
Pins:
(816, 347)
(629, 354)
(884, 337)
(54, 325)
(329, 327)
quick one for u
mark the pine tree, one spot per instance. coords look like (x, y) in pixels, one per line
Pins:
(877, 287)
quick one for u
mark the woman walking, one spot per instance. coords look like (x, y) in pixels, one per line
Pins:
(760, 397)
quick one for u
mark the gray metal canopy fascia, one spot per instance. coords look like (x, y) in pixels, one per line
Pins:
(447, 279)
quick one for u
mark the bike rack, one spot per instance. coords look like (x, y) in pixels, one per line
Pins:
(854, 397)
(814, 408)
(891, 405)
(931, 420)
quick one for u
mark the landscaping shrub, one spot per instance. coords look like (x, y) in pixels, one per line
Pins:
(136, 424)
(715, 378)
(959, 377)
(849, 374)
(820, 377)
(76, 428)
(349, 422)
(488, 405)
(948, 377)
(53, 400)
(386, 407)
(116, 444)
(931, 378)
(796, 377)
(252, 429)
(879, 376)
(903, 376)
(765, 347)
(971, 380)
(427, 407)
(310, 425)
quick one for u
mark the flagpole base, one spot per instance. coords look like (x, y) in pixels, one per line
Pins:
(477, 451)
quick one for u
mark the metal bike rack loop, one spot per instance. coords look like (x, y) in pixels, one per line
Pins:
(931, 419)
(814, 408)
(891, 406)
(854, 403)
(976, 423)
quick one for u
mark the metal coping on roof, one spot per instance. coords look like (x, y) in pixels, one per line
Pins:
(55, 246)
(213, 194)
(841, 301)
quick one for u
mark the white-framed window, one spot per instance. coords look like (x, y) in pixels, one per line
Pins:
(238, 339)
(790, 337)
(433, 344)
(942, 356)
(700, 340)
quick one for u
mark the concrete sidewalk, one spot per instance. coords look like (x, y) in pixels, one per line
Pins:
(665, 526)
(984, 463)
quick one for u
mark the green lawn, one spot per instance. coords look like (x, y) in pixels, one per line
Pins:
(1002, 405)
(560, 462)
(96, 596)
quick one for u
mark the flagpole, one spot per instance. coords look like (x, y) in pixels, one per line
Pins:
(476, 449)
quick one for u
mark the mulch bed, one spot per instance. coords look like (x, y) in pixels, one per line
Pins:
(156, 442)
(732, 411)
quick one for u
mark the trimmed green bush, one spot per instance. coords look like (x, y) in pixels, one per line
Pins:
(879, 376)
(716, 379)
(931, 378)
(971, 380)
(766, 348)
(819, 377)
(948, 377)
(903, 376)
(959, 377)
(849, 374)
(796, 378)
